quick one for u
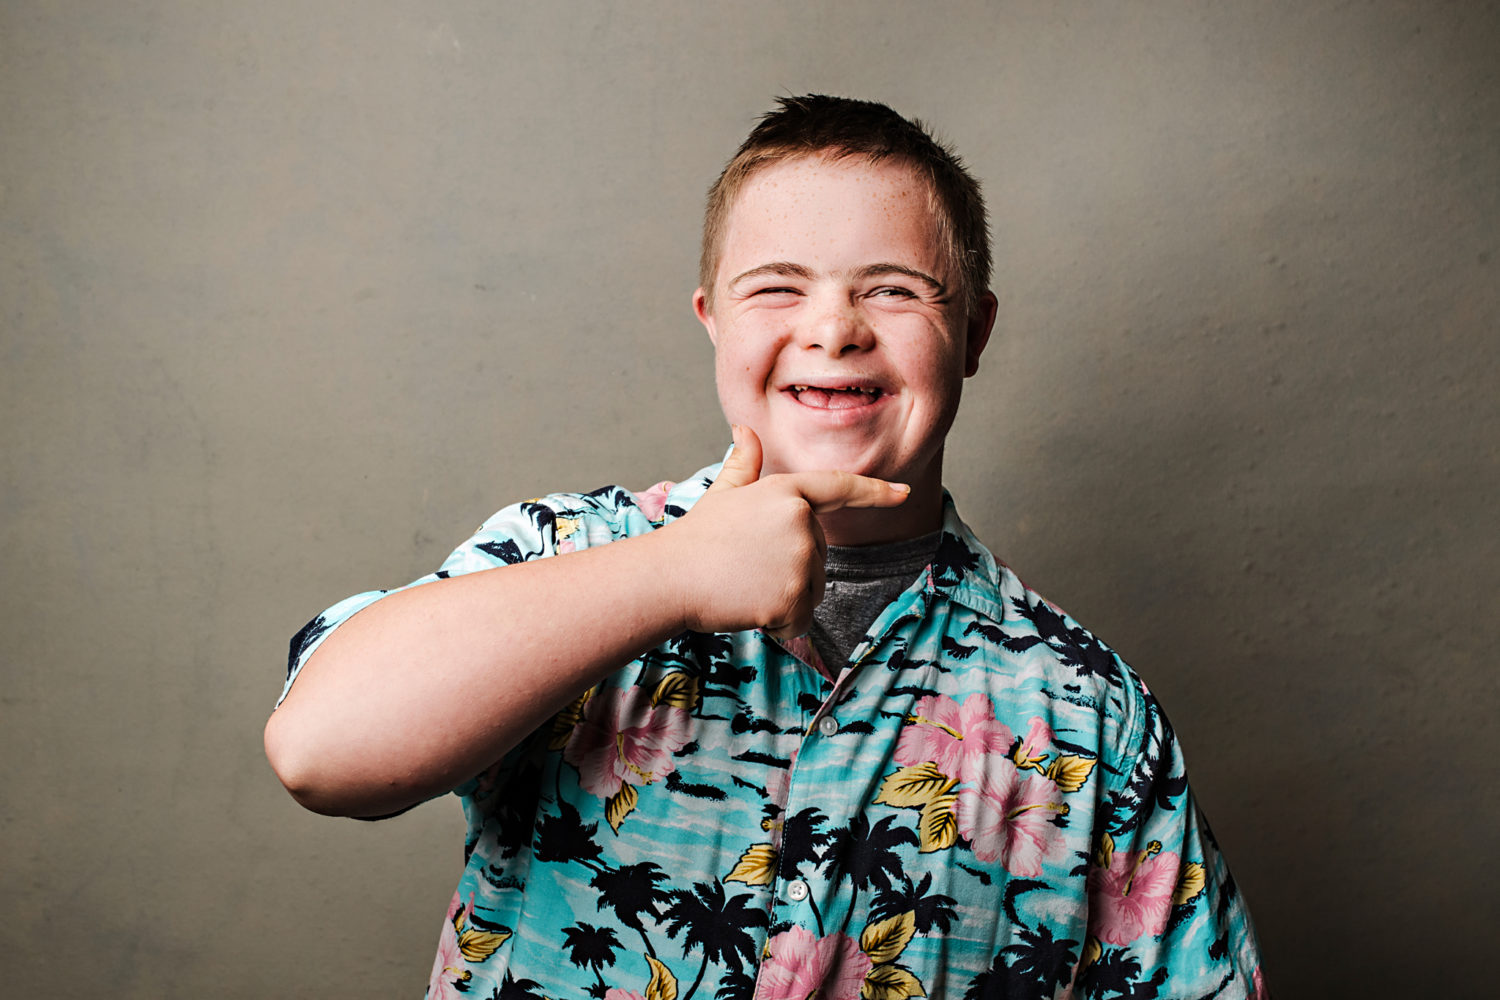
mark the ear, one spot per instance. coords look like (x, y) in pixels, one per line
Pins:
(977, 333)
(706, 317)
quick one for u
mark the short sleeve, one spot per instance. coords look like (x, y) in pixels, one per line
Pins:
(1164, 912)
(521, 532)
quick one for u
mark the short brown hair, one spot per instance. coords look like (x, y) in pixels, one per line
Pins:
(839, 127)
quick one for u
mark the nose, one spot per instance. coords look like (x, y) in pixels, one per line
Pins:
(837, 326)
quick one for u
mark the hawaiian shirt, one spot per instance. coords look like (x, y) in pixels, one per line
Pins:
(987, 803)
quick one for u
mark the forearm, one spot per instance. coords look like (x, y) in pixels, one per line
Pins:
(428, 686)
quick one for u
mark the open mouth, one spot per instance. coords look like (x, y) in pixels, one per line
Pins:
(835, 397)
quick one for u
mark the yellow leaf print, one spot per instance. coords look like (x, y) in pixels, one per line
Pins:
(937, 826)
(566, 526)
(884, 941)
(1092, 949)
(677, 690)
(1070, 772)
(914, 786)
(620, 805)
(1106, 852)
(757, 866)
(476, 945)
(890, 982)
(663, 985)
(1190, 882)
(564, 721)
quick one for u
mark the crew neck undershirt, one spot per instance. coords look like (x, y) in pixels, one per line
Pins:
(860, 580)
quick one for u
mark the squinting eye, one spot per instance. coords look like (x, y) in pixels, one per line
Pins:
(893, 292)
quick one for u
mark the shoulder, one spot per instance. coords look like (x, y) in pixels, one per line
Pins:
(557, 523)
(1031, 644)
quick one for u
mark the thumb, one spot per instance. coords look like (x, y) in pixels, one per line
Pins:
(742, 467)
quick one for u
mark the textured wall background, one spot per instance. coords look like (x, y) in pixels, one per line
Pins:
(293, 295)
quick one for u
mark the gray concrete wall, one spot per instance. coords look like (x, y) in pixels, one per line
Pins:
(292, 295)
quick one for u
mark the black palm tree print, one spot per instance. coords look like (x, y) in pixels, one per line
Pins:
(511, 988)
(591, 947)
(1074, 645)
(564, 837)
(930, 910)
(1116, 975)
(802, 843)
(631, 891)
(716, 924)
(953, 559)
(865, 854)
(1042, 959)
(802, 839)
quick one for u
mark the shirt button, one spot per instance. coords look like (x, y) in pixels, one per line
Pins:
(828, 725)
(796, 890)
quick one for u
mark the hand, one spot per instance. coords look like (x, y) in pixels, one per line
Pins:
(750, 553)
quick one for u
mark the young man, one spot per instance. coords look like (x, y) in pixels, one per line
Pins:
(785, 729)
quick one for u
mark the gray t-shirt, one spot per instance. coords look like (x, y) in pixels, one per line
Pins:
(860, 581)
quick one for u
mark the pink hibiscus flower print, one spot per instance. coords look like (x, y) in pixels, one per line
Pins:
(449, 968)
(461, 944)
(653, 501)
(1133, 895)
(614, 993)
(623, 739)
(1010, 820)
(957, 738)
(799, 966)
(1034, 748)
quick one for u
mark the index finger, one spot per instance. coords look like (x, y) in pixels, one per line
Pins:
(833, 490)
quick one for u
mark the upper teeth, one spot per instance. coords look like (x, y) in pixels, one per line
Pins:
(846, 388)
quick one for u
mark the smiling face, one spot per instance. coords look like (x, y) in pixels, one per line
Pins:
(838, 328)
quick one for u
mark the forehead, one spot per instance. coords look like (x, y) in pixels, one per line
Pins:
(811, 206)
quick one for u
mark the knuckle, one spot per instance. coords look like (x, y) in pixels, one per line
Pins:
(796, 513)
(796, 504)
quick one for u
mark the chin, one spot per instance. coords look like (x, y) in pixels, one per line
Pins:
(859, 465)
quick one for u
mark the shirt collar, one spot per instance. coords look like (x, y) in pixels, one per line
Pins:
(964, 571)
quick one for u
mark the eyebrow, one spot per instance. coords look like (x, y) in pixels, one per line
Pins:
(876, 270)
(787, 269)
(777, 268)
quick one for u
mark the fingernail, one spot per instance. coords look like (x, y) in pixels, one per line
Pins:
(900, 487)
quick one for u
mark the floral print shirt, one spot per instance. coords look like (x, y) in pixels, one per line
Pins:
(986, 804)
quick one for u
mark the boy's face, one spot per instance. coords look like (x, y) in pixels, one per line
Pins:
(839, 333)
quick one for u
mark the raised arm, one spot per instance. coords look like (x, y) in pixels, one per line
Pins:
(428, 686)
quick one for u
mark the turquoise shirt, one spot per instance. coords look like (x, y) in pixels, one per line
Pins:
(987, 803)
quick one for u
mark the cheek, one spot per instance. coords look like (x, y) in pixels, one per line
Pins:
(936, 390)
(740, 367)
(741, 387)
